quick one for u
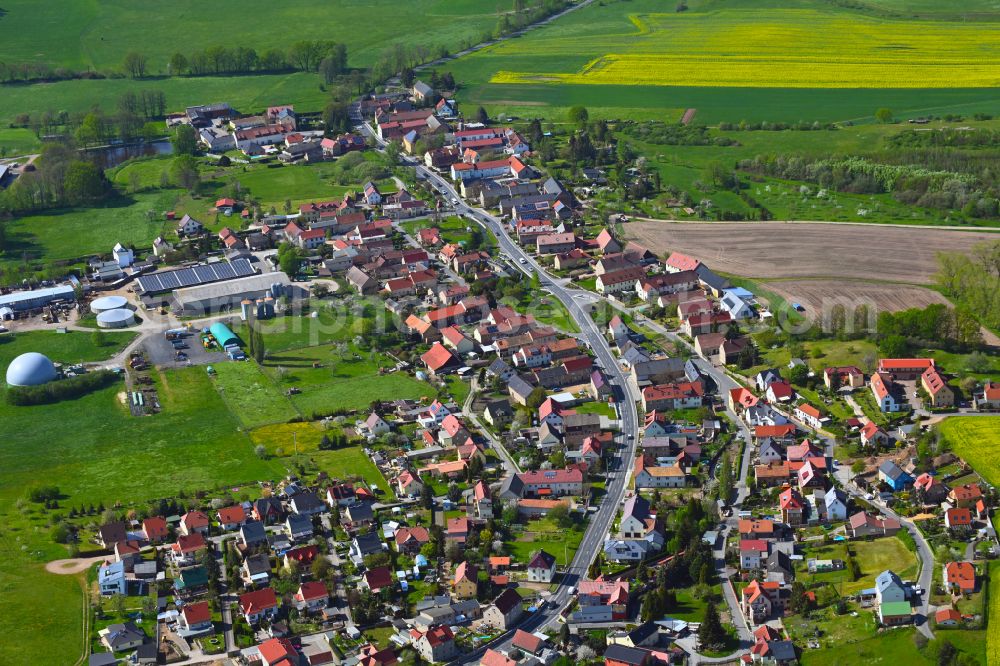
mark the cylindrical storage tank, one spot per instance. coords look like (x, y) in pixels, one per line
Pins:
(120, 318)
(245, 306)
(277, 289)
(105, 303)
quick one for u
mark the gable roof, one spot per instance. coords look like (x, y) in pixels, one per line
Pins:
(438, 356)
(507, 601)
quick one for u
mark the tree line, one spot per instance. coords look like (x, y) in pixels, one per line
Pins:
(133, 109)
(323, 56)
(945, 178)
(954, 329)
(973, 280)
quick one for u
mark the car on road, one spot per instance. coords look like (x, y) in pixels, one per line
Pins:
(523, 260)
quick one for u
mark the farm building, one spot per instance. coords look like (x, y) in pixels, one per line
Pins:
(36, 298)
(162, 282)
(30, 369)
(223, 334)
(227, 295)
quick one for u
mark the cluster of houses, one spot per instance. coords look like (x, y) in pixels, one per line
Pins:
(290, 529)
(221, 129)
(798, 472)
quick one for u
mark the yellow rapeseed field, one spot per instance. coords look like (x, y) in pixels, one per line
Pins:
(785, 48)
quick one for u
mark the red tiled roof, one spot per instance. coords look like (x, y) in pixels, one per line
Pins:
(378, 578)
(258, 600)
(232, 514)
(278, 652)
(311, 590)
(197, 612)
(891, 364)
(437, 357)
(682, 262)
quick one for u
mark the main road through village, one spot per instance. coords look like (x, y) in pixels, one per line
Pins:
(578, 303)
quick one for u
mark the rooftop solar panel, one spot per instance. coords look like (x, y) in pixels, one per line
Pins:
(189, 277)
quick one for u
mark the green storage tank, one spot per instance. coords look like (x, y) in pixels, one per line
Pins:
(223, 335)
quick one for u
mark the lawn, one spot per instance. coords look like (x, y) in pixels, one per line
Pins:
(17, 141)
(545, 534)
(68, 234)
(974, 438)
(453, 229)
(338, 320)
(873, 557)
(352, 462)
(251, 395)
(329, 382)
(689, 607)
(70, 347)
(993, 641)
(299, 183)
(601, 408)
(893, 647)
(546, 308)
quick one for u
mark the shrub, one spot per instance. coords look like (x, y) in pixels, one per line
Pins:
(65, 389)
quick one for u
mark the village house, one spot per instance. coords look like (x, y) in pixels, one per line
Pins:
(259, 605)
(466, 581)
(844, 376)
(862, 525)
(541, 567)
(437, 644)
(959, 577)
(505, 611)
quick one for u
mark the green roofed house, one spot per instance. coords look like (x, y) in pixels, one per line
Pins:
(191, 581)
(895, 613)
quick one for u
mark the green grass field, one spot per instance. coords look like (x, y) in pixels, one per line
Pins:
(70, 347)
(329, 382)
(974, 438)
(304, 437)
(251, 395)
(17, 141)
(250, 93)
(69, 234)
(545, 534)
(873, 557)
(99, 34)
(642, 60)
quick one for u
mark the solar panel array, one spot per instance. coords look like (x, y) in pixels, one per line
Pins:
(190, 277)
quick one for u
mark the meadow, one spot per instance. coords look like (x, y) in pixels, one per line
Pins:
(249, 93)
(69, 234)
(96, 452)
(750, 60)
(251, 395)
(70, 347)
(873, 558)
(974, 438)
(340, 384)
(97, 35)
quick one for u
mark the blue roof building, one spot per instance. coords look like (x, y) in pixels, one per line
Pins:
(111, 579)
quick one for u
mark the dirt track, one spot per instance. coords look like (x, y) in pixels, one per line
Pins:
(783, 250)
(73, 566)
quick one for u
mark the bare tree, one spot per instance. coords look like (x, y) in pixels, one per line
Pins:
(135, 65)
